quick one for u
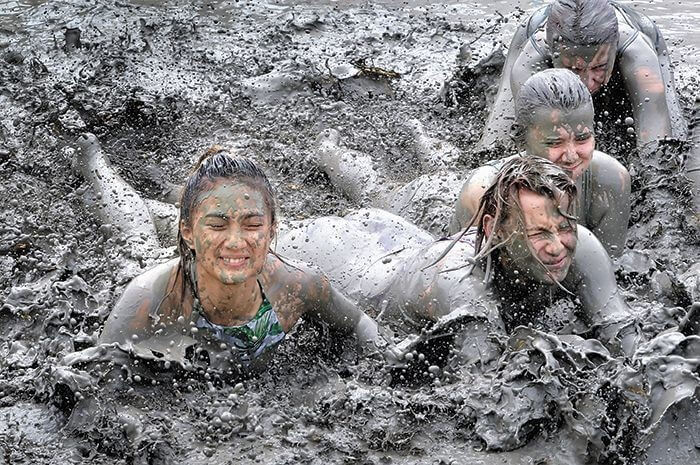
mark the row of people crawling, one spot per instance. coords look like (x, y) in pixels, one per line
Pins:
(526, 230)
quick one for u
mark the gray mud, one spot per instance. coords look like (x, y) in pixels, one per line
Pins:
(157, 84)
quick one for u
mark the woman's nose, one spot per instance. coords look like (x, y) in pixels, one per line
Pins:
(593, 79)
(234, 238)
(555, 246)
(570, 154)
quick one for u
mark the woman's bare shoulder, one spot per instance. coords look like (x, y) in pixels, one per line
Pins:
(141, 297)
(606, 171)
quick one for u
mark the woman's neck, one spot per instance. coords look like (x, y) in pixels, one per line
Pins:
(229, 304)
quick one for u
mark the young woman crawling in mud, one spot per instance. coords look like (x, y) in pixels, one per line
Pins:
(618, 52)
(554, 120)
(226, 290)
(508, 272)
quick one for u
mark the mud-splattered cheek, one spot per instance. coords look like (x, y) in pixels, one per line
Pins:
(535, 146)
(568, 240)
(260, 244)
(519, 248)
(202, 246)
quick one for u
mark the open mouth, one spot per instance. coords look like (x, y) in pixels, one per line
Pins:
(571, 168)
(230, 262)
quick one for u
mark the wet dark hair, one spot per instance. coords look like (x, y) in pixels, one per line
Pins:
(581, 22)
(501, 202)
(217, 164)
(556, 88)
(501, 199)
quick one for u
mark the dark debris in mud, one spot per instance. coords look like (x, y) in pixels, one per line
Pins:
(159, 84)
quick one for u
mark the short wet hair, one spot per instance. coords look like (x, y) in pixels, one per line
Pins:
(581, 22)
(215, 164)
(556, 89)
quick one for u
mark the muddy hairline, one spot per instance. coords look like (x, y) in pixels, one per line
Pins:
(555, 89)
(581, 22)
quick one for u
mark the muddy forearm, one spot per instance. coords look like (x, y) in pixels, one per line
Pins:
(596, 287)
(647, 92)
(342, 314)
(652, 121)
(366, 330)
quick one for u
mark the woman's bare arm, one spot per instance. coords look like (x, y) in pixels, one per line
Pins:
(646, 89)
(594, 283)
(328, 304)
(610, 209)
(131, 318)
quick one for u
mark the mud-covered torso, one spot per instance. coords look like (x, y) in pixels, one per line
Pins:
(613, 103)
(388, 266)
(360, 253)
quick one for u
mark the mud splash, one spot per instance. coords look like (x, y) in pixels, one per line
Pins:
(157, 84)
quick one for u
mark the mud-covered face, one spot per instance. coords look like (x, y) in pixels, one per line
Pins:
(565, 139)
(548, 239)
(593, 64)
(230, 232)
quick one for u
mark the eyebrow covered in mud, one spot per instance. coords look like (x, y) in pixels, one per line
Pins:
(375, 262)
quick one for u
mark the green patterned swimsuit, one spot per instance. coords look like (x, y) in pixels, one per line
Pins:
(251, 340)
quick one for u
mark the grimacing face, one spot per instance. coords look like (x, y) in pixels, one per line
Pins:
(592, 63)
(230, 233)
(565, 139)
(548, 239)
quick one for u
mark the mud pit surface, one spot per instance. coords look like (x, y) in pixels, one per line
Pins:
(157, 84)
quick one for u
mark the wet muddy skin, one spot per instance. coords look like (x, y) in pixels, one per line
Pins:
(157, 85)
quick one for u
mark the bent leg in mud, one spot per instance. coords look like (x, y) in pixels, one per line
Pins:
(118, 203)
(502, 114)
(166, 219)
(433, 153)
(350, 170)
